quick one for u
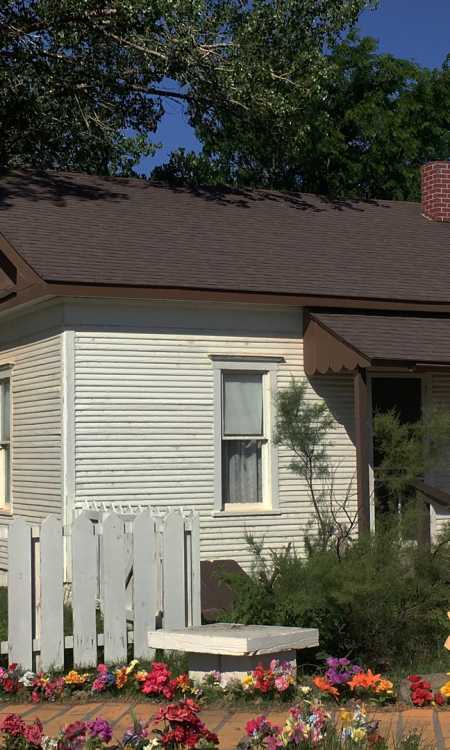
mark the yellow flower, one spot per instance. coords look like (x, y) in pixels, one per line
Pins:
(132, 665)
(445, 689)
(141, 676)
(248, 681)
(75, 678)
(358, 734)
(346, 717)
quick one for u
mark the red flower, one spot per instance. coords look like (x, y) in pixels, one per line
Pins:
(182, 726)
(74, 730)
(9, 685)
(13, 725)
(158, 681)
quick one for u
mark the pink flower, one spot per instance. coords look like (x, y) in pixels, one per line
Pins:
(33, 733)
(254, 725)
(281, 683)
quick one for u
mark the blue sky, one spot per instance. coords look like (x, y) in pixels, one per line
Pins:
(415, 29)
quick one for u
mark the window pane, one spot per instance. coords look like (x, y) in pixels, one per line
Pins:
(243, 403)
(6, 411)
(7, 475)
(241, 471)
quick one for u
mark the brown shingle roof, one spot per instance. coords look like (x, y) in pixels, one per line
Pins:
(412, 338)
(83, 229)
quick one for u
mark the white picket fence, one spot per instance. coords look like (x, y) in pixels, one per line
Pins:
(135, 570)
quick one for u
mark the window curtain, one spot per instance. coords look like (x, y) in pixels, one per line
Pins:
(243, 403)
(242, 480)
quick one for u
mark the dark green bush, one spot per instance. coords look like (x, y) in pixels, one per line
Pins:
(384, 602)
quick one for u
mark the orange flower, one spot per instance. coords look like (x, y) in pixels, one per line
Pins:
(383, 686)
(325, 686)
(366, 680)
(121, 677)
(183, 683)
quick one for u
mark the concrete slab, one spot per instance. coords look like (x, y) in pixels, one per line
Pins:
(234, 640)
(233, 650)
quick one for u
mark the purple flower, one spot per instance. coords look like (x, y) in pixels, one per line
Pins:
(340, 670)
(135, 734)
(101, 729)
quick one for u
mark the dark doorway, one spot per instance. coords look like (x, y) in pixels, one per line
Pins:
(405, 396)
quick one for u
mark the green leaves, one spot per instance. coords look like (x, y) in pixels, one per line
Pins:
(409, 451)
(348, 122)
(75, 74)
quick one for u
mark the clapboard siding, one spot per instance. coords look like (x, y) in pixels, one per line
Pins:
(36, 428)
(441, 477)
(144, 412)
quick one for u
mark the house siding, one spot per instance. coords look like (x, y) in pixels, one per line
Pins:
(144, 412)
(440, 477)
(36, 436)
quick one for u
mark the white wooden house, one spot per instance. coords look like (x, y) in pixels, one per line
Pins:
(144, 332)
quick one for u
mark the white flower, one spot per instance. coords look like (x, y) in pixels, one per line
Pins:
(49, 743)
(153, 744)
(304, 689)
(27, 679)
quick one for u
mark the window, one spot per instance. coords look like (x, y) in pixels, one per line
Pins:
(5, 441)
(242, 437)
(246, 460)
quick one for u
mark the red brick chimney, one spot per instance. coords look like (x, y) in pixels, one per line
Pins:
(436, 190)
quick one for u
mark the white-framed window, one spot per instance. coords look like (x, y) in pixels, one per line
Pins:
(5, 439)
(246, 464)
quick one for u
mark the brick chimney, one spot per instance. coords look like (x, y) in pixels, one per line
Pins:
(436, 190)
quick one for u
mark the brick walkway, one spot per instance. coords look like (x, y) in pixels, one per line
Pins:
(228, 724)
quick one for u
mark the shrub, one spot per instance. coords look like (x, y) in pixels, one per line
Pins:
(383, 601)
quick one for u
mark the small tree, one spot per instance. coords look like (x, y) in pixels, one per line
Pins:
(304, 427)
(409, 450)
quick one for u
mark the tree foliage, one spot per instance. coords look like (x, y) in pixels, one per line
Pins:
(303, 427)
(363, 131)
(84, 82)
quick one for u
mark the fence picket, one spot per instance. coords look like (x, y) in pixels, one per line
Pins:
(196, 592)
(20, 619)
(174, 597)
(84, 592)
(145, 596)
(155, 563)
(52, 594)
(114, 600)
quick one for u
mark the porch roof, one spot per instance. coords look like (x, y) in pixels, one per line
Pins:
(344, 341)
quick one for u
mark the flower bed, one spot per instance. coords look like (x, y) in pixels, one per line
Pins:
(341, 681)
(310, 725)
(179, 727)
(176, 726)
(344, 680)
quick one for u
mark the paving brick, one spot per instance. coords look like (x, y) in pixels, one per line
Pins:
(234, 730)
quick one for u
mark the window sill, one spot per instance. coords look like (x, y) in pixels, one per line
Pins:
(244, 513)
(5, 511)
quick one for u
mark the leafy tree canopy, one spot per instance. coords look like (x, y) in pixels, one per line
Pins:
(364, 131)
(77, 75)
